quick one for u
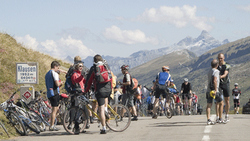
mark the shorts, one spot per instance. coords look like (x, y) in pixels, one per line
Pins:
(226, 89)
(128, 99)
(161, 90)
(54, 100)
(188, 95)
(236, 103)
(218, 98)
(100, 97)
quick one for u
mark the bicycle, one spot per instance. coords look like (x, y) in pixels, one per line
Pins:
(4, 128)
(12, 116)
(114, 120)
(186, 104)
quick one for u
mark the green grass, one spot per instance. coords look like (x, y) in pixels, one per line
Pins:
(12, 52)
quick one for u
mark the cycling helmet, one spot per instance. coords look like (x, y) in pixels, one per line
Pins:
(212, 94)
(165, 68)
(124, 67)
(235, 84)
(153, 81)
(193, 92)
(172, 80)
(185, 80)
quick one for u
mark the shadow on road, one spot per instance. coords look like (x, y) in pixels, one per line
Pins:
(177, 124)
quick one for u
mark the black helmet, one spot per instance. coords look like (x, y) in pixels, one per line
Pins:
(124, 67)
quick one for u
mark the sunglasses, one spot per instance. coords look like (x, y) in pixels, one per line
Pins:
(80, 66)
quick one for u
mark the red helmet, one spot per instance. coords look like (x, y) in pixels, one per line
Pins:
(124, 67)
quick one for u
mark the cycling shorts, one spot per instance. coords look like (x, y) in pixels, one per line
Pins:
(161, 90)
(54, 100)
(226, 89)
(186, 95)
(236, 103)
(100, 97)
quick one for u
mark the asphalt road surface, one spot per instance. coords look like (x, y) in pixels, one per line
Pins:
(178, 128)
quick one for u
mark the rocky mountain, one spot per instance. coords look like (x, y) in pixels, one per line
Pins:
(185, 65)
(199, 45)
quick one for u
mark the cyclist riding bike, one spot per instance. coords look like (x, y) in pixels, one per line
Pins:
(162, 81)
(194, 101)
(186, 90)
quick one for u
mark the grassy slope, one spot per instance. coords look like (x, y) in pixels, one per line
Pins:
(12, 52)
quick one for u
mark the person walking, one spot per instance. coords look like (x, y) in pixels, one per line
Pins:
(224, 82)
(127, 96)
(52, 85)
(99, 75)
(236, 92)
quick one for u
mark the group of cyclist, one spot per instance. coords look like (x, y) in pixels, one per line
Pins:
(86, 80)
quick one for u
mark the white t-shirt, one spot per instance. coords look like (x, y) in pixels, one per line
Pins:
(55, 75)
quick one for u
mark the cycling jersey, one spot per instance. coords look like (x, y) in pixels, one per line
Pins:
(50, 79)
(236, 93)
(186, 88)
(222, 69)
(163, 78)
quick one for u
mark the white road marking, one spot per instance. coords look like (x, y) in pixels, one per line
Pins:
(208, 129)
(206, 138)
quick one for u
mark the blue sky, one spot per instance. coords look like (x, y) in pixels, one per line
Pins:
(119, 27)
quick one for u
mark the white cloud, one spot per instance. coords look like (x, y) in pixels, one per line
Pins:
(28, 41)
(178, 16)
(245, 8)
(60, 48)
(128, 36)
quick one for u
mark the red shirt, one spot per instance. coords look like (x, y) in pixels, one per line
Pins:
(78, 78)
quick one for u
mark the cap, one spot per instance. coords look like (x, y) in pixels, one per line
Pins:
(235, 84)
(185, 80)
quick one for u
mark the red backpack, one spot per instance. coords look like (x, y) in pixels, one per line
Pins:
(103, 74)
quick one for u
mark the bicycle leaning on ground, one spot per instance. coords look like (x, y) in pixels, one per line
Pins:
(114, 120)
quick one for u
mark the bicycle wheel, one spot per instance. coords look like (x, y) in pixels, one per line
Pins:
(36, 118)
(45, 115)
(117, 122)
(69, 119)
(5, 130)
(17, 123)
(31, 125)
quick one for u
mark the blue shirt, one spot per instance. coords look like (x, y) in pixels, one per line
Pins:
(163, 78)
(52, 89)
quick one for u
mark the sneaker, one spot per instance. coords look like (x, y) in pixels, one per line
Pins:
(77, 131)
(237, 113)
(134, 118)
(102, 131)
(154, 116)
(209, 122)
(189, 112)
(220, 121)
(53, 128)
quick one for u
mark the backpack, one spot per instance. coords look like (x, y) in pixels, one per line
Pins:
(103, 73)
(133, 86)
(69, 87)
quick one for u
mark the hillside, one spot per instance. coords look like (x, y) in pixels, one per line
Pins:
(12, 52)
(237, 54)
